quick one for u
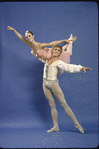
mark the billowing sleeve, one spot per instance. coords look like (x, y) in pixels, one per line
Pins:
(70, 68)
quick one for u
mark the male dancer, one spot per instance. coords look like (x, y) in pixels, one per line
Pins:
(51, 86)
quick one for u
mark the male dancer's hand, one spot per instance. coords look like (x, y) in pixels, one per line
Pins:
(86, 68)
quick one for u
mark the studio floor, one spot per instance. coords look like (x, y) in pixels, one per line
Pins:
(22, 137)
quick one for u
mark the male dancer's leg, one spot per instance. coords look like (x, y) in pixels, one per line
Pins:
(54, 113)
(60, 96)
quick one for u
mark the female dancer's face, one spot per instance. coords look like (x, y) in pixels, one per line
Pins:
(56, 52)
(29, 37)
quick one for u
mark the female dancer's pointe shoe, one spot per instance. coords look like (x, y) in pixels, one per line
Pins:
(74, 39)
(80, 129)
(53, 130)
(71, 37)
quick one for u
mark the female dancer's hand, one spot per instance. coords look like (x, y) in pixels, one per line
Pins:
(10, 28)
(19, 35)
(68, 41)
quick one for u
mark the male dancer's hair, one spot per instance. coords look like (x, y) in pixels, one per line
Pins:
(57, 45)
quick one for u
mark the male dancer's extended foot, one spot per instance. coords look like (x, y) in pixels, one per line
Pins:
(53, 130)
(80, 129)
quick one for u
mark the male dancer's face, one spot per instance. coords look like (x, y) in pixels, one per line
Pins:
(56, 52)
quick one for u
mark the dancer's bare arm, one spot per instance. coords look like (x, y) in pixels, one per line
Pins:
(54, 43)
(19, 35)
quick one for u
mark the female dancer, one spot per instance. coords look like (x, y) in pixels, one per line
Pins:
(39, 49)
(51, 86)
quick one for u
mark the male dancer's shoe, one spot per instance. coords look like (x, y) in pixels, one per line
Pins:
(80, 129)
(53, 130)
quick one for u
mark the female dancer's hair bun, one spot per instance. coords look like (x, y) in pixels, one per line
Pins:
(29, 32)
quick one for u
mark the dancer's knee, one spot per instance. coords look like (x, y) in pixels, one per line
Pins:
(64, 105)
(66, 108)
(52, 105)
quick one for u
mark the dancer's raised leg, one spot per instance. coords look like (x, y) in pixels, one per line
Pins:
(68, 47)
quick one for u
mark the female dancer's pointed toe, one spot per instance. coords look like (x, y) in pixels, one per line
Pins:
(74, 39)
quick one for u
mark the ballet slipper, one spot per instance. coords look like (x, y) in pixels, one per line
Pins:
(80, 129)
(73, 39)
(53, 130)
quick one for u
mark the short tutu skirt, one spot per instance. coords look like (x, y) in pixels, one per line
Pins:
(47, 52)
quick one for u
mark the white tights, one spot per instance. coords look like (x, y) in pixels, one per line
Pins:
(52, 88)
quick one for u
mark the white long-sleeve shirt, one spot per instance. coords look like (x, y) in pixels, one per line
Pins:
(51, 72)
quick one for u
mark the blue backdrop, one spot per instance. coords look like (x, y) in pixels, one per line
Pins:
(23, 106)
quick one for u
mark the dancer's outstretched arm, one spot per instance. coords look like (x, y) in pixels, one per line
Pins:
(19, 35)
(42, 44)
(54, 43)
(71, 68)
